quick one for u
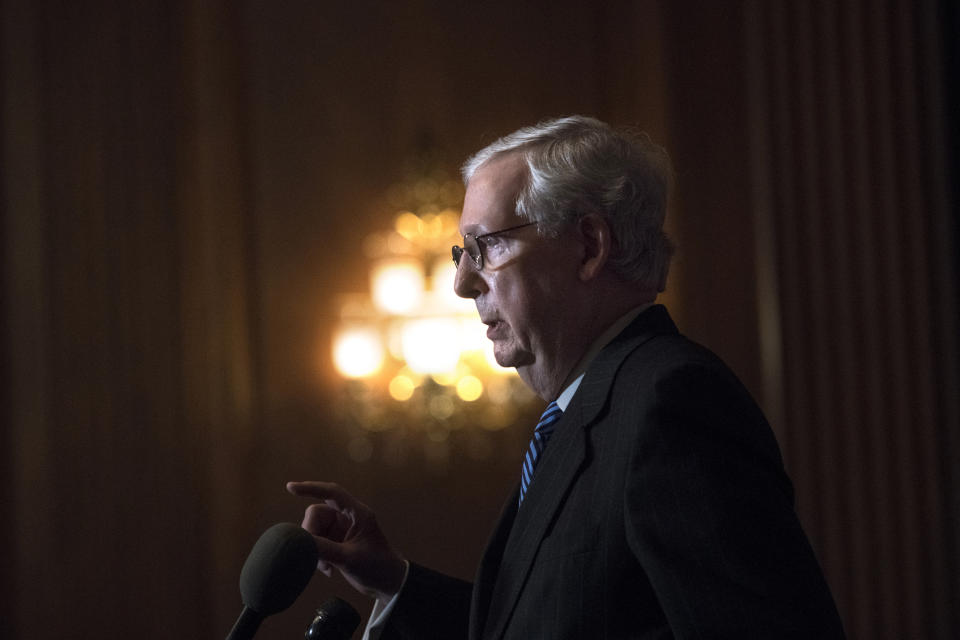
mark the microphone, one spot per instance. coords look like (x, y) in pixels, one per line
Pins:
(275, 573)
(336, 620)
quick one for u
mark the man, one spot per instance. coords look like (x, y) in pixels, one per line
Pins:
(653, 502)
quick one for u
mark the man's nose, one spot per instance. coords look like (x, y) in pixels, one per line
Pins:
(468, 282)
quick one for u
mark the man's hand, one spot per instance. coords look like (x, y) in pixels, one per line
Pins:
(349, 539)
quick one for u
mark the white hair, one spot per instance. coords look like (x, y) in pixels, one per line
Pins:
(579, 165)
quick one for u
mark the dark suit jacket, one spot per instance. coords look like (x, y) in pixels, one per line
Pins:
(660, 509)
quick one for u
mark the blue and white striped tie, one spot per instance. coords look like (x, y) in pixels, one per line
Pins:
(538, 443)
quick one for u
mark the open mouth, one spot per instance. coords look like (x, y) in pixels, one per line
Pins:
(493, 328)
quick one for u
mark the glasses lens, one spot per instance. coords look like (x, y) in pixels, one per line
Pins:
(472, 247)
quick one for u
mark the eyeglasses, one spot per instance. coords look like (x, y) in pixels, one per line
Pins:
(472, 245)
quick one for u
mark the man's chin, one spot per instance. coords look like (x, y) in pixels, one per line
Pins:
(508, 358)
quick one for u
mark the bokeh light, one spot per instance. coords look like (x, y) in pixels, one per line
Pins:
(469, 388)
(397, 285)
(431, 345)
(358, 352)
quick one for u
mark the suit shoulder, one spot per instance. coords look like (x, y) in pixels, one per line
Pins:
(667, 354)
(672, 370)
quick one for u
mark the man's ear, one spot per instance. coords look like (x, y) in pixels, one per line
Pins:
(594, 233)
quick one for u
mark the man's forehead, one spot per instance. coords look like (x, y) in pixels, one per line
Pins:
(491, 197)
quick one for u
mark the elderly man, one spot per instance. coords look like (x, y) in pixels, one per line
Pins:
(652, 502)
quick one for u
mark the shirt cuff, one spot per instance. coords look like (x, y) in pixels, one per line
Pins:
(381, 612)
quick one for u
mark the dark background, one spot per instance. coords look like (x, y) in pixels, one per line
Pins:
(186, 186)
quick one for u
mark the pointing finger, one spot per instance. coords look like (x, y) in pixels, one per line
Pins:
(331, 493)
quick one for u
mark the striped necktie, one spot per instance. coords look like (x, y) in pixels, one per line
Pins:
(538, 443)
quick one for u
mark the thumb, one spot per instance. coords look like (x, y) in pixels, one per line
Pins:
(330, 552)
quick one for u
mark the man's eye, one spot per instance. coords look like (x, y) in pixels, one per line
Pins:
(493, 245)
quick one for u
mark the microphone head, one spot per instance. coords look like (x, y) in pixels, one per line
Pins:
(278, 568)
(336, 620)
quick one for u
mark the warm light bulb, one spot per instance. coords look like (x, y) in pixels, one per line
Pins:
(469, 388)
(432, 226)
(397, 286)
(431, 345)
(358, 353)
(408, 225)
(401, 388)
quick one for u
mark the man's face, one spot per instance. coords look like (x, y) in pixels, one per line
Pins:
(520, 298)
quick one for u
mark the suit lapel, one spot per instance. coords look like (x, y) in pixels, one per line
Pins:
(558, 467)
(511, 552)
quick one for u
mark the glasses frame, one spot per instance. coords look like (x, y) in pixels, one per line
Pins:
(458, 251)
